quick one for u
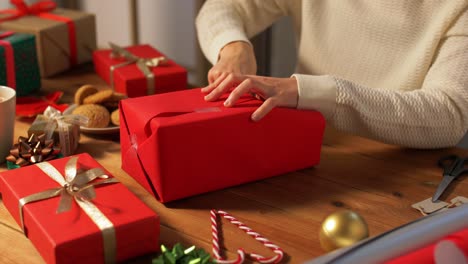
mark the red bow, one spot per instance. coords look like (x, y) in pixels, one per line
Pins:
(22, 9)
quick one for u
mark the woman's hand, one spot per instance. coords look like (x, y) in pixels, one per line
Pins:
(236, 57)
(274, 91)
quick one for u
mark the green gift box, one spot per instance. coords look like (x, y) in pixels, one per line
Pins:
(19, 68)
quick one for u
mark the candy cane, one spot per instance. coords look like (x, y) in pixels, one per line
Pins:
(240, 252)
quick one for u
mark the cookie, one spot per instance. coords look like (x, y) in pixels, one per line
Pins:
(118, 96)
(115, 117)
(83, 92)
(98, 115)
(113, 102)
(98, 97)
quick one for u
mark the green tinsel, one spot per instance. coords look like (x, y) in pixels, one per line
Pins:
(178, 255)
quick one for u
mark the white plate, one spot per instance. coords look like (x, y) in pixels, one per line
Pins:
(106, 130)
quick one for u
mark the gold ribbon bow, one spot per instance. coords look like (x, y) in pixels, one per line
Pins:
(144, 64)
(78, 186)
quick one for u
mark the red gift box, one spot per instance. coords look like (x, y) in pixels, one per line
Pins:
(72, 236)
(426, 255)
(130, 79)
(183, 146)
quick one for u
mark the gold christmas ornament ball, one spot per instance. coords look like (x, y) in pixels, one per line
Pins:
(342, 229)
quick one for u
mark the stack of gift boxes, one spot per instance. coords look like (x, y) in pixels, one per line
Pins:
(72, 208)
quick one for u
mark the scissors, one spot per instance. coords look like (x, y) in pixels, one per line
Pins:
(453, 167)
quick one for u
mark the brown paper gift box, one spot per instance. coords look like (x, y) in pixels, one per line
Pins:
(52, 38)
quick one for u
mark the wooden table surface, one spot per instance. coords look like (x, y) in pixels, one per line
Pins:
(378, 181)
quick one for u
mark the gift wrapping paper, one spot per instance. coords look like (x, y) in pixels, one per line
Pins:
(427, 254)
(403, 240)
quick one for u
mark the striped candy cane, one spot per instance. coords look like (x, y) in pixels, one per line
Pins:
(240, 252)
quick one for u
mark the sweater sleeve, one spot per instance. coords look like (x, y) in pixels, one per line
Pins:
(220, 22)
(433, 116)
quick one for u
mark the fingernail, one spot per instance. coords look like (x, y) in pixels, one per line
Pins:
(207, 97)
(254, 117)
(227, 102)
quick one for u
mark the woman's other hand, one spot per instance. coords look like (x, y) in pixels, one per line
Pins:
(274, 92)
(236, 57)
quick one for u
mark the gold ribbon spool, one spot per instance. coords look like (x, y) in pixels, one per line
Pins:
(144, 64)
(79, 187)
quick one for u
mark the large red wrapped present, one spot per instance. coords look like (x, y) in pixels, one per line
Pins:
(139, 70)
(73, 211)
(178, 145)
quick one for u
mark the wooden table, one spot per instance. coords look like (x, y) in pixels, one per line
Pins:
(379, 181)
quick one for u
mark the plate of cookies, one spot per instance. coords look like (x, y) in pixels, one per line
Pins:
(101, 107)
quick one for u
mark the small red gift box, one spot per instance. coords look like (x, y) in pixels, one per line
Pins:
(114, 226)
(125, 75)
(183, 146)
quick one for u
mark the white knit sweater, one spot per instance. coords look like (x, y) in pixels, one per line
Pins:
(395, 71)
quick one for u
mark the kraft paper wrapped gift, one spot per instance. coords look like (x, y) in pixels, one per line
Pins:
(19, 68)
(64, 37)
(177, 145)
(139, 70)
(113, 226)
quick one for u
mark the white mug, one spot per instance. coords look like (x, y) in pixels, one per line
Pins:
(7, 120)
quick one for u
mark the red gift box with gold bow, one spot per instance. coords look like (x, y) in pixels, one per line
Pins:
(183, 146)
(139, 70)
(64, 37)
(74, 211)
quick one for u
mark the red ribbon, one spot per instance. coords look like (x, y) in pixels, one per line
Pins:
(9, 59)
(41, 10)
